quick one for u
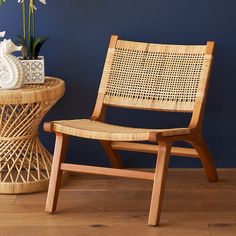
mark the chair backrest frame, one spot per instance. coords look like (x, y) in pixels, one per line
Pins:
(196, 107)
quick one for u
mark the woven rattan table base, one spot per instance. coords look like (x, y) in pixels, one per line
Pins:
(25, 164)
(29, 173)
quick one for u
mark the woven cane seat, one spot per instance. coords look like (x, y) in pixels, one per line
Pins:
(86, 128)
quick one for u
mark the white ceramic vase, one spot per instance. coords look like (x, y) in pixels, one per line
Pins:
(34, 70)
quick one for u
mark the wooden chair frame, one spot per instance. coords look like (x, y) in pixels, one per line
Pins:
(192, 134)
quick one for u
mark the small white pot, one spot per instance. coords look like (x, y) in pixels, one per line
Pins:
(34, 70)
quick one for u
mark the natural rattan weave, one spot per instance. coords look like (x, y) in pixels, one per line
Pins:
(103, 131)
(152, 76)
(142, 76)
(25, 164)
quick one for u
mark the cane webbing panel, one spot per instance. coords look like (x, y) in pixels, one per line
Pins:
(152, 76)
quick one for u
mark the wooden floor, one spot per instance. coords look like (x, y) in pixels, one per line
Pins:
(91, 205)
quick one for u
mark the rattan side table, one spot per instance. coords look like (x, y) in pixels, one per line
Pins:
(25, 164)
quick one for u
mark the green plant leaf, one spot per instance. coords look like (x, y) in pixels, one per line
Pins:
(31, 48)
(20, 37)
(20, 41)
(2, 1)
(37, 44)
(24, 51)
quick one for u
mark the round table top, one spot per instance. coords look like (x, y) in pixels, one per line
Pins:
(52, 88)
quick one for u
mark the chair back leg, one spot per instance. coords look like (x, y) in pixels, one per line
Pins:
(206, 158)
(56, 173)
(159, 183)
(114, 156)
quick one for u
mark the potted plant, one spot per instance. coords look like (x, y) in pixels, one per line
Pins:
(31, 45)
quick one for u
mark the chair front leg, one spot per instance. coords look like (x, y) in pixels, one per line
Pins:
(200, 145)
(159, 182)
(56, 174)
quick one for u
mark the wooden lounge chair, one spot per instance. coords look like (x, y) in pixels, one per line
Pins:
(142, 76)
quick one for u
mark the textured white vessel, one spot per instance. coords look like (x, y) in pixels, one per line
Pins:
(34, 70)
(11, 70)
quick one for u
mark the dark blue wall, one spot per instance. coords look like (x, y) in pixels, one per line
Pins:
(79, 33)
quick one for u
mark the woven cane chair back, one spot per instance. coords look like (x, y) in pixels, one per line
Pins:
(155, 76)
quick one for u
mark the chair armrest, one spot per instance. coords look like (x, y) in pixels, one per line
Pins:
(168, 133)
(48, 127)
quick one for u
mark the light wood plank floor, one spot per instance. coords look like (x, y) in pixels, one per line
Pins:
(105, 206)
